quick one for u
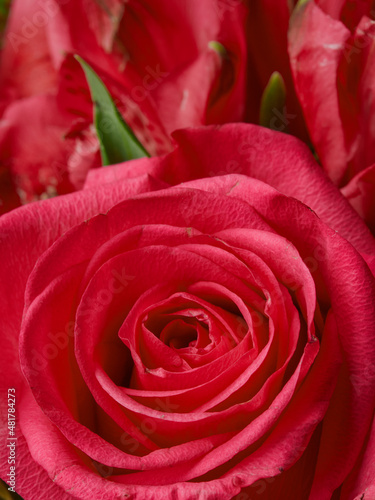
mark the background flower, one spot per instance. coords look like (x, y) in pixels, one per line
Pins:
(331, 47)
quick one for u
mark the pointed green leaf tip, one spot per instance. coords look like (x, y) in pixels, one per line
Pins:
(117, 141)
(295, 4)
(218, 48)
(273, 100)
(301, 3)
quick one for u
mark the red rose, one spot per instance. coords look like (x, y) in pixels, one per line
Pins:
(203, 340)
(331, 47)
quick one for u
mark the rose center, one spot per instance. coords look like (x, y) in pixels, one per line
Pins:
(179, 334)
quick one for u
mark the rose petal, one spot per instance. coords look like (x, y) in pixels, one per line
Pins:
(281, 161)
(316, 42)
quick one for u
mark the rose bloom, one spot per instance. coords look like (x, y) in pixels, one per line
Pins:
(196, 325)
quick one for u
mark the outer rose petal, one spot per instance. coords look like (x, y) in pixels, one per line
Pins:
(356, 93)
(26, 66)
(331, 7)
(349, 13)
(47, 142)
(33, 482)
(316, 42)
(280, 160)
(283, 162)
(104, 19)
(184, 96)
(362, 479)
(360, 193)
(31, 145)
(331, 47)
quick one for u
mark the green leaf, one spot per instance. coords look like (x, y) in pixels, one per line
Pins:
(4, 7)
(273, 100)
(117, 141)
(218, 48)
(5, 494)
(296, 4)
(4, 12)
(301, 3)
